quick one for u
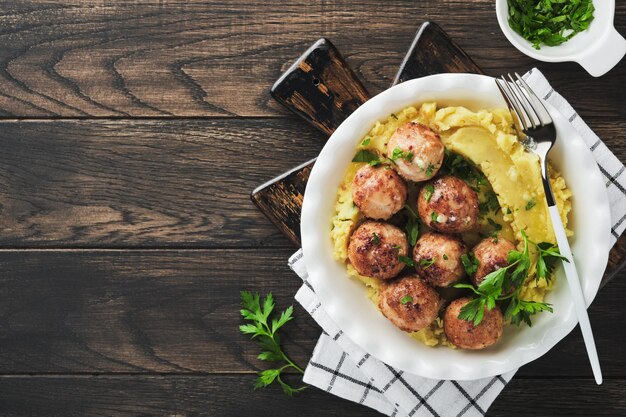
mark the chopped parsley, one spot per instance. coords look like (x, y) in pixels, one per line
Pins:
(366, 156)
(434, 216)
(493, 224)
(549, 22)
(530, 204)
(454, 164)
(429, 170)
(366, 141)
(399, 153)
(406, 299)
(406, 260)
(445, 257)
(428, 192)
(426, 263)
(470, 263)
(376, 238)
(412, 225)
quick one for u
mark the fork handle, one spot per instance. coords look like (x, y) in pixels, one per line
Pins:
(573, 281)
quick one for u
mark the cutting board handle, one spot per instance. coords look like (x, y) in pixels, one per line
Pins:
(320, 87)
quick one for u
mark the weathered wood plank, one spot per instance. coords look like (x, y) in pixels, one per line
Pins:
(143, 183)
(154, 183)
(217, 58)
(178, 312)
(231, 396)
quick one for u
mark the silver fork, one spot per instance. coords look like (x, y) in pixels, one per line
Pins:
(537, 133)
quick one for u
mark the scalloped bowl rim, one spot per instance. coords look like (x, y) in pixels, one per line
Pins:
(345, 300)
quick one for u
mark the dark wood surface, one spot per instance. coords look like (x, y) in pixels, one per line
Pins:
(124, 240)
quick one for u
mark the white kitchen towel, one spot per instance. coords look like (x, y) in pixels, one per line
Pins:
(343, 369)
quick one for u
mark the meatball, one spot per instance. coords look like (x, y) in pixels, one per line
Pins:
(464, 334)
(409, 303)
(438, 258)
(448, 205)
(417, 151)
(375, 247)
(378, 192)
(492, 254)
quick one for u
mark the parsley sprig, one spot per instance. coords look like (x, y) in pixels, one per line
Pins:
(264, 329)
(496, 285)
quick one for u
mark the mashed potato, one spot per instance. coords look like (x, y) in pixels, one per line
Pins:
(486, 138)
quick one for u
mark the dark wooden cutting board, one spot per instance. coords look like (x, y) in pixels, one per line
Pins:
(322, 89)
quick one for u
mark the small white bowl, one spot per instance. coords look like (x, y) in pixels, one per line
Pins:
(345, 300)
(597, 49)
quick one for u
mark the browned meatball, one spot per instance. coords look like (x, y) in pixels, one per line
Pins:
(448, 205)
(378, 192)
(409, 303)
(438, 258)
(464, 334)
(491, 254)
(374, 249)
(417, 151)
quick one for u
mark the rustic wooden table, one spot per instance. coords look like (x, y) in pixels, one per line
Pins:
(132, 134)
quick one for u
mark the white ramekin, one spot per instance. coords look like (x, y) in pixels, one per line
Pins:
(597, 49)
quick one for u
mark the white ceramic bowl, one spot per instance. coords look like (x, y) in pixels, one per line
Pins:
(597, 49)
(345, 300)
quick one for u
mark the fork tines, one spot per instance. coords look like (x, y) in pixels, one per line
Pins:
(523, 101)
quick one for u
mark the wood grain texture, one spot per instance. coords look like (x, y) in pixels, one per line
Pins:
(177, 311)
(434, 52)
(216, 58)
(320, 88)
(142, 183)
(231, 396)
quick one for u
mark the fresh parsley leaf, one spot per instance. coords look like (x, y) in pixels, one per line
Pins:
(470, 263)
(547, 259)
(366, 141)
(426, 263)
(467, 286)
(366, 156)
(429, 189)
(530, 204)
(406, 260)
(406, 299)
(492, 283)
(473, 311)
(519, 311)
(264, 329)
